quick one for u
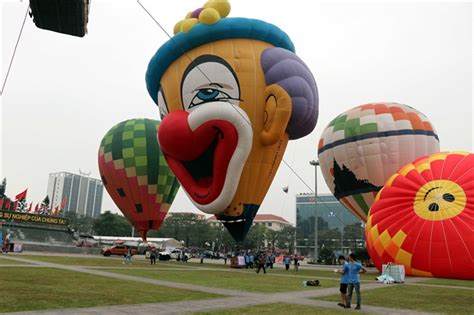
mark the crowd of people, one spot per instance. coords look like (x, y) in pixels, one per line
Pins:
(262, 260)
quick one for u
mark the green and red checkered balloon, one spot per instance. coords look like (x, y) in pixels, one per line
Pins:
(362, 147)
(135, 173)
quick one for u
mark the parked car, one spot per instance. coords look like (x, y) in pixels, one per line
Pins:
(119, 249)
(173, 254)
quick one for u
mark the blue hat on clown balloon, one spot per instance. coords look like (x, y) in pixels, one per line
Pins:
(204, 25)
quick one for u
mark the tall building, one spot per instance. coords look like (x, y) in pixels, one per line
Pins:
(76, 193)
(333, 221)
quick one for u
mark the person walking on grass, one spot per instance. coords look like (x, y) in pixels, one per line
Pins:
(128, 256)
(354, 270)
(296, 262)
(261, 260)
(153, 254)
(286, 261)
(344, 271)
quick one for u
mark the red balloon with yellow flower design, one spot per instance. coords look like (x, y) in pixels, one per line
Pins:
(423, 217)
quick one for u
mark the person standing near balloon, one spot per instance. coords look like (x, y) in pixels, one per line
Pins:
(354, 270)
(296, 262)
(261, 260)
(286, 261)
(344, 271)
(153, 254)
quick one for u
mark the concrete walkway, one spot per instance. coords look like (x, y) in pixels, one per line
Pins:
(237, 298)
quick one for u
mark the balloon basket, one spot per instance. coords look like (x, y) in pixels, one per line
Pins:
(66, 17)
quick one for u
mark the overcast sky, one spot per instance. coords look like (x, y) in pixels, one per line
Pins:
(64, 93)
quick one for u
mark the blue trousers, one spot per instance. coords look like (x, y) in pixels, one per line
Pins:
(350, 288)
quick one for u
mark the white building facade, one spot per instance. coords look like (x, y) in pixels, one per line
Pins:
(76, 193)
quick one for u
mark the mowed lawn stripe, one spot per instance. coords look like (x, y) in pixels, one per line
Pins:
(428, 299)
(274, 309)
(48, 288)
(242, 281)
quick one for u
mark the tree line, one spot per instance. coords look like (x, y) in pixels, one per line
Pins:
(188, 228)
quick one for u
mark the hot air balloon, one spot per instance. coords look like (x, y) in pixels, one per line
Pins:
(232, 93)
(135, 173)
(422, 218)
(362, 147)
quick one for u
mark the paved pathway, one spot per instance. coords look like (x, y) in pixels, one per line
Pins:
(237, 298)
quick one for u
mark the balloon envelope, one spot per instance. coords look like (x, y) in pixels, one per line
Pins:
(231, 95)
(362, 147)
(422, 218)
(135, 173)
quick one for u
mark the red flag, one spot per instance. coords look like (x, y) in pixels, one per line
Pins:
(22, 195)
(36, 208)
(7, 204)
(1, 203)
(63, 203)
(31, 205)
(15, 204)
(56, 210)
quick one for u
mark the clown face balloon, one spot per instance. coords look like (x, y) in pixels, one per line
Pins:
(231, 94)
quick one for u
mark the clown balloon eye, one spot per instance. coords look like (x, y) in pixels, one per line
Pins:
(208, 79)
(433, 207)
(208, 95)
(448, 197)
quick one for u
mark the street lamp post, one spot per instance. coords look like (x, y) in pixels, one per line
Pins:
(315, 164)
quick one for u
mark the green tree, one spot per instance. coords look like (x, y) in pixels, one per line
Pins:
(256, 237)
(362, 254)
(223, 241)
(271, 236)
(285, 238)
(80, 224)
(112, 224)
(330, 238)
(187, 227)
(354, 233)
(327, 255)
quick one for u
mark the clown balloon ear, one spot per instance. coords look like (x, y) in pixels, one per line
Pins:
(277, 114)
(284, 68)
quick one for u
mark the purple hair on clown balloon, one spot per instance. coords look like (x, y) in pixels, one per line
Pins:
(284, 68)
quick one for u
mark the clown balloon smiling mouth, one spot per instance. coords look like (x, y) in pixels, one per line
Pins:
(207, 143)
(231, 93)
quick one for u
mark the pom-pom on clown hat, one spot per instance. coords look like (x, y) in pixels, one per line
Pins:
(208, 24)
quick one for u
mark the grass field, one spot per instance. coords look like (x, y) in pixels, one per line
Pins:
(428, 299)
(450, 282)
(244, 281)
(275, 309)
(84, 261)
(49, 288)
(45, 288)
(11, 262)
(313, 273)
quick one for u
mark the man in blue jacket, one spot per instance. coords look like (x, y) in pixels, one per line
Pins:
(354, 269)
(344, 271)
